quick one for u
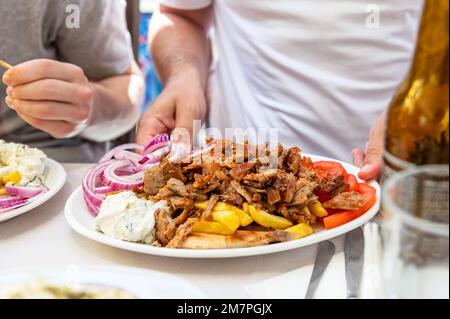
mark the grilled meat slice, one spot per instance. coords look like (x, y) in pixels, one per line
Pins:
(171, 170)
(255, 190)
(221, 176)
(332, 186)
(242, 191)
(273, 196)
(259, 180)
(164, 193)
(304, 193)
(282, 153)
(286, 184)
(182, 233)
(240, 170)
(207, 213)
(257, 197)
(177, 186)
(163, 220)
(347, 200)
(171, 229)
(156, 177)
(212, 185)
(293, 160)
(179, 202)
(154, 180)
(289, 191)
(230, 196)
(202, 180)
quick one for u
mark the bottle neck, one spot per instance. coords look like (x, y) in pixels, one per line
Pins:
(431, 56)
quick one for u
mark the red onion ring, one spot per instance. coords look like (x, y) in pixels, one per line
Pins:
(127, 155)
(130, 146)
(13, 204)
(90, 179)
(116, 182)
(25, 192)
(102, 190)
(158, 139)
(155, 156)
(19, 196)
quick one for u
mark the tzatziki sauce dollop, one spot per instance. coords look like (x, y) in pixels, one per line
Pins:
(126, 217)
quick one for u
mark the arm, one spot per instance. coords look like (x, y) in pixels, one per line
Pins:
(117, 104)
(58, 98)
(180, 48)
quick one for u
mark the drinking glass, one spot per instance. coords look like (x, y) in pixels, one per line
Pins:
(415, 233)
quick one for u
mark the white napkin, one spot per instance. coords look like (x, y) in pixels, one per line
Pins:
(293, 284)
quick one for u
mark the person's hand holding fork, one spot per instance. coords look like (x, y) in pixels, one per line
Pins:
(52, 96)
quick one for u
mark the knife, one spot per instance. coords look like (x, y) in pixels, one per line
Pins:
(354, 259)
(325, 252)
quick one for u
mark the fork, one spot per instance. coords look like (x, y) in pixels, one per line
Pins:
(5, 65)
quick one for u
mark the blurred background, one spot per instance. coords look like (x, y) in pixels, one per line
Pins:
(139, 13)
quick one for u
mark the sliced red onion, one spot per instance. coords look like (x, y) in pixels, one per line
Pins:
(130, 146)
(89, 182)
(9, 200)
(116, 182)
(25, 192)
(158, 139)
(178, 153)
(156, 147)
(127, 155)
(102, 190)
(13, 205)
(155, 156)
(93, 209)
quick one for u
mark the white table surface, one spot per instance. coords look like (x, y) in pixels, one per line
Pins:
(43, 238)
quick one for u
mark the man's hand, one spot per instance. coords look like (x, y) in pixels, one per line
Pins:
(52, 96)
(180, 48)
(181, 102)
(371, 159)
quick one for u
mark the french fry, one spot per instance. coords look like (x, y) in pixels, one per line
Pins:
(244, 217)
(219, 206)
(207, 227)
(268, 220)
(300, 230)
(201, 205)
(317, 209)
(227, 218)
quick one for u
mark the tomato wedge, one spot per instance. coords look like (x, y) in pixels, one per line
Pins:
(352, 183)
(323, 168)
(344, 217)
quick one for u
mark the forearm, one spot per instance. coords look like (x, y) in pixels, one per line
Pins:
(179, 44)
(116, 109)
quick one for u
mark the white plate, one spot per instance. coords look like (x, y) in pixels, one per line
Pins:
(144, 284)
(79, 218)
(55, 177)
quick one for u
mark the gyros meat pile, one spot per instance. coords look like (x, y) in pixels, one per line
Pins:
(238, 195)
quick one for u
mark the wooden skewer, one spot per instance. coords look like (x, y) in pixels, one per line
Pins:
(5, 65)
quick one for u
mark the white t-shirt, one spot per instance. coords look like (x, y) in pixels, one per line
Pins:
(321, 71)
